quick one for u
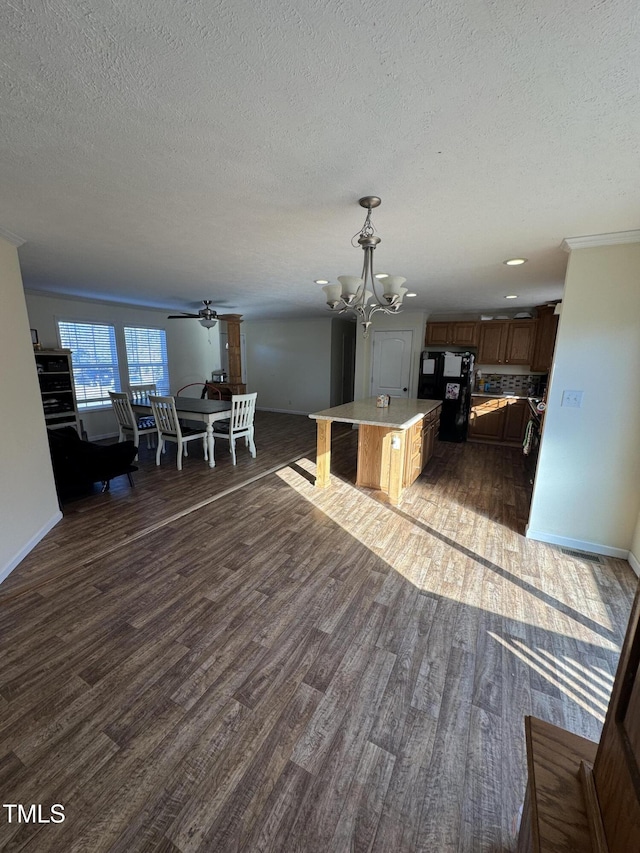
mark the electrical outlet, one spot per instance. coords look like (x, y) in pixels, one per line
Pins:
(572, 399)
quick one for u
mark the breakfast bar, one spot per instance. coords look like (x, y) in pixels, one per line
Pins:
(395, 442)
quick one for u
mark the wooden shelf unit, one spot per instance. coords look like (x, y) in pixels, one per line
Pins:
(57, 389)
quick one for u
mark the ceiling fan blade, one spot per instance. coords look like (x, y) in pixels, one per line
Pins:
(182, 316)
(227, 316)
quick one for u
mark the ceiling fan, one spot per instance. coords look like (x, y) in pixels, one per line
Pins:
(207, 316)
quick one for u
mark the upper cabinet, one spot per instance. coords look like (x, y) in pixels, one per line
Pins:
(545, 341)
(528, 342)
(506, 341)
(463, 333)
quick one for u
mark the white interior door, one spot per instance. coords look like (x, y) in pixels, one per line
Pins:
(391, 363)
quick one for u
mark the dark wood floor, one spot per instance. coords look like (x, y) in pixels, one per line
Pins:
(202, 665)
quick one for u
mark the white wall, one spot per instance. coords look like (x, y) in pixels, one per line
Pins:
(587, 489)
(289, 364)
(192, 352)
(414, 321)
(28, 502)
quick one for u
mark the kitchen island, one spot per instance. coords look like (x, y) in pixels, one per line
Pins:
(394, 442)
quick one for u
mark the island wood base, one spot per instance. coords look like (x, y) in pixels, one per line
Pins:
(389, 458)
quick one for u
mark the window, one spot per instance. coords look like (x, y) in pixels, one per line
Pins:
(95, 361)
(147, 357)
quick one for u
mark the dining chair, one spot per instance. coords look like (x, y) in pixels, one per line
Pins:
(140, 394)
(130, 424)
(240, 424)
(170, 428)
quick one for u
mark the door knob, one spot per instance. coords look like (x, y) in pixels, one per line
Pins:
(404, 389)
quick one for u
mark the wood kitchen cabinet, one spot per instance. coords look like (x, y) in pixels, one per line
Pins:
(517, 414)
(492, 339)
(506, 341)
(460, 333)
(498, 420)
(419, 445)
(545, 339)
(413, 454)
(430, 430)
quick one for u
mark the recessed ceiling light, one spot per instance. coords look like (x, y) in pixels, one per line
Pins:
(511, 296)
(321, 281)
(515, 262)
(409, 295)
(382, 275)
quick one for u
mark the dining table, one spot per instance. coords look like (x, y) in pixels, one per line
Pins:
(194, 409)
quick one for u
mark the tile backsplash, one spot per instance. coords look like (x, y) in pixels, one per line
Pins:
(525, 384)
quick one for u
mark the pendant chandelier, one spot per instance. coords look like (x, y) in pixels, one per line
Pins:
(356, 293)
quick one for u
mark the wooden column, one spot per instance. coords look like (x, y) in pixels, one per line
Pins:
(235, 353)
(323, 454)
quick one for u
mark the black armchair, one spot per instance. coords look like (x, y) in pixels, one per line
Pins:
(77, 464)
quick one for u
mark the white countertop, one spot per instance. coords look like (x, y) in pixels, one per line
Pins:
(401, 413)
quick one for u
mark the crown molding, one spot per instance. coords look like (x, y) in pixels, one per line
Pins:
(11, 238)
(613, 239)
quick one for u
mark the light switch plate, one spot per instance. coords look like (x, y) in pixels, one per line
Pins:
(572, 399)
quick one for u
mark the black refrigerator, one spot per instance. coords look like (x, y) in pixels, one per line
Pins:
(448, 376)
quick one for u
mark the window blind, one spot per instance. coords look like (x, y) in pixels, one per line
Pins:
(147, 357)
(94, 360)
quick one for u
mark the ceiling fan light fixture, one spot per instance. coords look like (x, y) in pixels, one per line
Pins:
(207, 322)
(358, 294)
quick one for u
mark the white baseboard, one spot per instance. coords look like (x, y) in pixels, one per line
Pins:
(5, 571)
(577, 544)
(634, 563)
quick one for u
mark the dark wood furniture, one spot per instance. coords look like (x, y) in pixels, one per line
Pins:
(498, 420)
(462, 333)
(584, 797)
(506, 341)
(224, 390)
(234, 385)
(545, 340)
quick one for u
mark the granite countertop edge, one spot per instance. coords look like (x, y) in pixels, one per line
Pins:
(400, 414)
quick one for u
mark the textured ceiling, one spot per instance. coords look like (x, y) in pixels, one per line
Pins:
(162, 151)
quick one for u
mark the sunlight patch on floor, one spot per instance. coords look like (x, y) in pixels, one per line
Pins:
(435, 566)
(549, 670)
